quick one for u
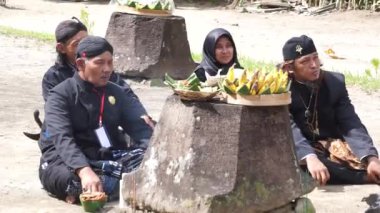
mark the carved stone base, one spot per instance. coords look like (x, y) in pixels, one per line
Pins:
(215, 157)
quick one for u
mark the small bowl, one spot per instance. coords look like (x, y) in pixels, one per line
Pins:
(92, 202)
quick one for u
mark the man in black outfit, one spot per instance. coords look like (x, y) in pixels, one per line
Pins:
(80, 143)
(68, 34)
(330, 140)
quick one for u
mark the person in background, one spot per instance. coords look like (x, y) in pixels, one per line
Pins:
(331, 142)
(68, 34)
(219, 53)
(80, 143)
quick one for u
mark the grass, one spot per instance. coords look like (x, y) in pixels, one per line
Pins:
(197, 57)
(43, 37)
(85, 19)
(369, 81)
(246, 62)
(250, 64)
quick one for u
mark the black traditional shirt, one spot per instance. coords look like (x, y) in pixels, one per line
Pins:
(334, 117)
(72, 114)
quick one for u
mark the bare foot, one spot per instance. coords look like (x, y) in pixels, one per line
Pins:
(70, 199)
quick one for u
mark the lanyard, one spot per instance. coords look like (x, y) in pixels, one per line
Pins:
(101, 109)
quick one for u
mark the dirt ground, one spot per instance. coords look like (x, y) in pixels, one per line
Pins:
(354, 35)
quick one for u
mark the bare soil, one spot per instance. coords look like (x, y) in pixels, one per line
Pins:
(354, 35)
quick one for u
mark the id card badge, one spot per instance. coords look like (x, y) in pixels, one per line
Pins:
(102, 137)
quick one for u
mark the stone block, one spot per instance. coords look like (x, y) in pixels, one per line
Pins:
(149, 46)
(215, 157)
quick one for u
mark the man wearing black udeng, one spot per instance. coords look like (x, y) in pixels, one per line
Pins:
(330, 140)
(80, 143)
(68, 34)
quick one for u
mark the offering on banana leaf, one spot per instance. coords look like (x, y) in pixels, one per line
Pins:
(191, 88)
(148, 4)
(92, 201)
(191, 83)
(260, 82)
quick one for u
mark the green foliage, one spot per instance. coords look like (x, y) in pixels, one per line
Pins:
(10, 31)
(197, 57)
(376, 65)
(246, 62)
(368, 84)
(369, 80)
(250, 64)
(85, 18)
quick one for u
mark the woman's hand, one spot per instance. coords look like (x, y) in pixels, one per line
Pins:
(89, 180)
(317, 169)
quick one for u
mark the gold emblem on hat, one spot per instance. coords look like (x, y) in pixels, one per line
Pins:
(299, 49)
(112, 100)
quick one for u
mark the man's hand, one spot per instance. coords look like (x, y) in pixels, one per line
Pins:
(148, 120)
(373, 169)
(89, 180)
(317, 169)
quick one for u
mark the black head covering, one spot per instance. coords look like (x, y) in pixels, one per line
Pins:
(68, 28)
(64, 32)
(209, 63)
(92, 46)
(297, 47)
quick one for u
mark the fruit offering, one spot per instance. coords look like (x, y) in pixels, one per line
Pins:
(260, 82)
(192, 83)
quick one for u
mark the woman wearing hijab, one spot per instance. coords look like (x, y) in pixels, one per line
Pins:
(219, 52)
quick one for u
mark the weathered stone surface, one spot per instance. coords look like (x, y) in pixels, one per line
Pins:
(150, 46)
(215, 157)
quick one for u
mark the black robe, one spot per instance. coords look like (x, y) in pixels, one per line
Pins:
(63, 70)
(336, 116)
(72, 114)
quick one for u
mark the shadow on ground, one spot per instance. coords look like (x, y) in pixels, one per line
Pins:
(373, 201)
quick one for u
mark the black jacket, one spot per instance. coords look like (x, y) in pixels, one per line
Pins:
(63, 70)
(57, 73)
(336, 117)
(72, 114)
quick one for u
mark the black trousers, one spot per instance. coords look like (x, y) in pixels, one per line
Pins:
(56, 177)
(340, 174)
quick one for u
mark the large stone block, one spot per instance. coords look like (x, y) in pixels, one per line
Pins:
(149, 46)
(215, 157)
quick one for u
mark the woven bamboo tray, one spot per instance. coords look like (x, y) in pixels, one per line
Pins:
(259, 100)
(131, 10)
(195, 95)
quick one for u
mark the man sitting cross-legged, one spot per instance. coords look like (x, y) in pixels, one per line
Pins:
(80, 143)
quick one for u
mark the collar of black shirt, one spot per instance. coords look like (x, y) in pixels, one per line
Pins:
(85, 85)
